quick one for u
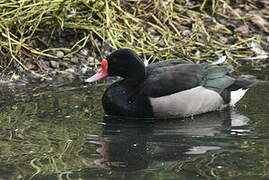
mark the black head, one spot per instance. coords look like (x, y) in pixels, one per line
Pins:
(125, 63)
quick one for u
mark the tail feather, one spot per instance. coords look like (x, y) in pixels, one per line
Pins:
(240, 87)
(237, 95)
(244, 82)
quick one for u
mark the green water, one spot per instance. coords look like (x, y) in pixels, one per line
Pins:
(58, 131)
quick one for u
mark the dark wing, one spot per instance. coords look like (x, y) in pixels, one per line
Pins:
(166, 80)
(170, 62)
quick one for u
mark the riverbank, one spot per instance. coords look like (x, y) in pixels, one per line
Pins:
(44, 40)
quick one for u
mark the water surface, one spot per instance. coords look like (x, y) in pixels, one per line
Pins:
(59, 131)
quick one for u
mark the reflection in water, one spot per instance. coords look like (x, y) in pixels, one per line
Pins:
(59, 133)
(134, 144)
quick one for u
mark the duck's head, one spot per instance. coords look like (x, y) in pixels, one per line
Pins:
(122, 62)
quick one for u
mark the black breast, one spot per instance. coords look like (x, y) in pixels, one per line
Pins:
(121, 99)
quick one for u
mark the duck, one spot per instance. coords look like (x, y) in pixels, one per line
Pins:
(168, 88)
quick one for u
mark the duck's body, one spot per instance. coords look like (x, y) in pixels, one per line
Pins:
(173, 88)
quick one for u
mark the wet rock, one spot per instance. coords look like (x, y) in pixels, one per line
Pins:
(64, 64)
(74, 60)
(152, 31)
(107, 46)
(156, 38)
(91, 60)
(190, 3)
(54, 64)
(186, 33)
(60, 54)
(257, 48)
(243, 30)
(70, 73)
(86, 70)
(154, 34)
(15, 77)
(70, 70)
(53, 73)
(84, 52)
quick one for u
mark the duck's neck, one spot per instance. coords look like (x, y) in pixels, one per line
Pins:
(136, 77)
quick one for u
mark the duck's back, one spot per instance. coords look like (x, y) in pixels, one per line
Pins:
(185, 89)
(170, 77)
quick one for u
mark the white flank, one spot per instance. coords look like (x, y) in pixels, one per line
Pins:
(237, 95)
(186, 103)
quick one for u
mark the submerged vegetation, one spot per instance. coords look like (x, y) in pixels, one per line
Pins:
(39, 36)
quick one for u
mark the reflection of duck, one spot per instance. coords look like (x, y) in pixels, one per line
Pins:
(133, 145)
(164, 89)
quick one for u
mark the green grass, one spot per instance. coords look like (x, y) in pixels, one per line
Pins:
(161, 29)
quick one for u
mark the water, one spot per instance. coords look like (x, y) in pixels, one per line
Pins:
(58, 131)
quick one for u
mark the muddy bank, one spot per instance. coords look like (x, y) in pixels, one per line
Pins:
(64, 40)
